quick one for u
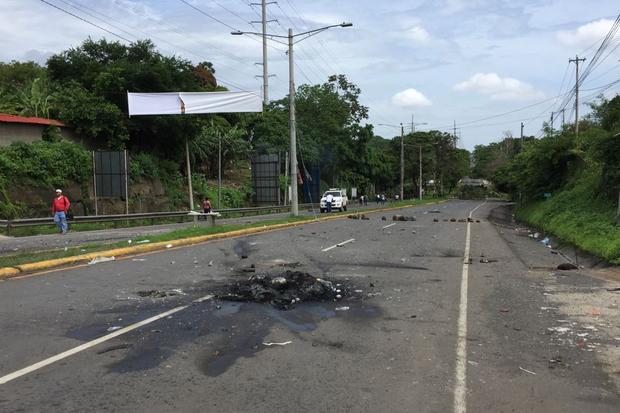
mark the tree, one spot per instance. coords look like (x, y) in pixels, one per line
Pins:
(107, 70)
(97, 121)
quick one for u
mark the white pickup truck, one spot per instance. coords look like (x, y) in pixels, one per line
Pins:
(339, 199)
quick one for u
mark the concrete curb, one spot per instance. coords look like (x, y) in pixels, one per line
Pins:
(8, 272)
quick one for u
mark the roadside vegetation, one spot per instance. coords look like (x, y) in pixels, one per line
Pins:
(565, 185)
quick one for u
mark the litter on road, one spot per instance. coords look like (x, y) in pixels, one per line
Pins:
(98, 260)
(284, 343)
(527, 371)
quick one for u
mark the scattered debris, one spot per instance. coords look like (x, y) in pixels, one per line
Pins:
(594, 312)
(358, 216)
(168, 245)
(402, 218)
(559, 330)
(527, 371)
(128, 241)
(557, 361)
(487, 261)
(159, 293)
(113, 328)
(284, 343)
(144, 241)
(98, 260)
(383, 218)
(138, 259)
(283, 290)
(545, 241)
(434, 211)
(504, 310)
(614, 289)
(343, 308)
(566, 266)
(210, 263)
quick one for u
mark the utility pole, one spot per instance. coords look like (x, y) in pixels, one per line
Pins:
(522, 135)
(264, 22)
(402, 160)
(454, 133)
(219, 170)
(563, 118)
(552, 121)
(189, 176)
(291, 121)
(576, 60)
(420, 172)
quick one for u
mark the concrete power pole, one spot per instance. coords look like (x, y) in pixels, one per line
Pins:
(402, 161)
(552, 121)
(264, 22)
(576, 60)
(522, 135)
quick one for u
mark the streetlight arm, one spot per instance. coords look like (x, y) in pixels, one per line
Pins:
(239, 33)
(309, 32)
(320, 29)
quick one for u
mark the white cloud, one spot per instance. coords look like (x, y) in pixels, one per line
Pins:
(587, 34)
(498, 88)
(418, 34)
(410, 98)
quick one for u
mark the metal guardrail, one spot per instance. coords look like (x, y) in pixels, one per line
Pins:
(29, 222)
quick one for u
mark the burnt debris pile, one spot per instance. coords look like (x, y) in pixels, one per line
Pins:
(283, 290)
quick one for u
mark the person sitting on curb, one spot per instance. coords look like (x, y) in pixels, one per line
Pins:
(60, 207)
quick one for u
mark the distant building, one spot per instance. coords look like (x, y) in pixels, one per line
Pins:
(15, 128)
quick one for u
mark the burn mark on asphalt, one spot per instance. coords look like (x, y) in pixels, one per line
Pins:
(222, 331)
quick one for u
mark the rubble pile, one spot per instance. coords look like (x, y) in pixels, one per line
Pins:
(283, 290)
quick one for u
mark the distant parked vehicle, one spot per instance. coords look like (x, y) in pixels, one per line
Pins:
(339, 199)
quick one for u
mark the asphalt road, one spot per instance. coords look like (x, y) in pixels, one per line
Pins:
(402, 345)
(16, 245)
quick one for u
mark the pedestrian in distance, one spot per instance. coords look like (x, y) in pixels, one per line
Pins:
(328, 202)
(206, 205)
(365, 200)
(60, 209)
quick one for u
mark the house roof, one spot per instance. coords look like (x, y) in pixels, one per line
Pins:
(6, 118)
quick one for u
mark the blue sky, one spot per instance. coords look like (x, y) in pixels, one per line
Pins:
(440, 61)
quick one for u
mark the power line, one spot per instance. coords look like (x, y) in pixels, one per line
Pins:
(86, 21)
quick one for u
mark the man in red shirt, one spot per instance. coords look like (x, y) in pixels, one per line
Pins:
(60, 206)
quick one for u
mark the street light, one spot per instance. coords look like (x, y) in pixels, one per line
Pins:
(291, 75)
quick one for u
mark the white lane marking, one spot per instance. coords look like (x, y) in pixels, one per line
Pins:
(460, 384)
(390, 225)
(340, 244)
(85, 346)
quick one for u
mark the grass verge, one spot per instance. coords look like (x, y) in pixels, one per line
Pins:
(579, 217)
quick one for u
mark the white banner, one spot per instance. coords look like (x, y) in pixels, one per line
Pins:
(178, 103)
